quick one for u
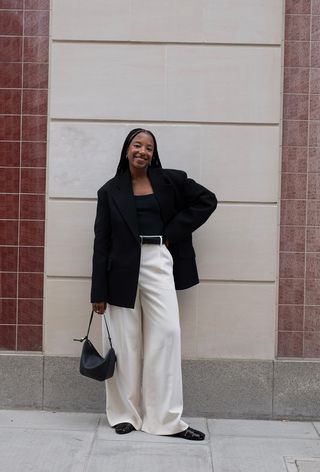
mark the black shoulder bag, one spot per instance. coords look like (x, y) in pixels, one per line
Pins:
(91, 363)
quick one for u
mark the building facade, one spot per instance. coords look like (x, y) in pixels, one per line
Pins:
(231, 90)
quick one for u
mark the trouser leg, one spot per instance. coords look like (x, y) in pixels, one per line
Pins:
(123, 390)
(162, 379)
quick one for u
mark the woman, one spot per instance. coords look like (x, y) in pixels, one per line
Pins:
(142, 253)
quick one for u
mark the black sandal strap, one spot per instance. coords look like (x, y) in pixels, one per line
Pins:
(190, 433)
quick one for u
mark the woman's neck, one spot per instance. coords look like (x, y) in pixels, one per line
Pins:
(141, 184)
(138, 174)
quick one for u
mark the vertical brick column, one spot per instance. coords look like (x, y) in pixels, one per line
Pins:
(299, 286)
(24, 29)
(311, 346)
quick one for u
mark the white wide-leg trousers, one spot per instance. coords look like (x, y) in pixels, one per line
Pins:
(146, 389)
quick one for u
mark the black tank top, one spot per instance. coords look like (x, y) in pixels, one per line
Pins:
(148, 214)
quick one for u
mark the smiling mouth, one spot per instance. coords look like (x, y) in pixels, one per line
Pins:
(140, 157)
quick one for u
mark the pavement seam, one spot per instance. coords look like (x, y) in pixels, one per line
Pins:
(86, 464)
(289, 438)
(40, 428)
(285, 463)
(210, 445)
(317, 432)
(136, 441)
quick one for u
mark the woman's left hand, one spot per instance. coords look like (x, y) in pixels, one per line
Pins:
(99, 307)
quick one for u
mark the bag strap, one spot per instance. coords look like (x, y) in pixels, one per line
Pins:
(89, 323)
(109, 337)
(87, 335)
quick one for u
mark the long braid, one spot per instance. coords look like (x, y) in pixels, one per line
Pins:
(124, 164)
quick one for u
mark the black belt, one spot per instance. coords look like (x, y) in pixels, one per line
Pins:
(151, 240)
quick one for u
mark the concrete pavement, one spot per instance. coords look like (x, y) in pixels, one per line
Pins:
(46, 441)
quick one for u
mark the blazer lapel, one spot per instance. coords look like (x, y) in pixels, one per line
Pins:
(123, 197)
(164, 192)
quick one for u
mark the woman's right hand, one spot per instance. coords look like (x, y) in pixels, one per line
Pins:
(99, 307)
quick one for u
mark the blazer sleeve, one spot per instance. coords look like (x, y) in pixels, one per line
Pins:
(198, 204)
(102, 230)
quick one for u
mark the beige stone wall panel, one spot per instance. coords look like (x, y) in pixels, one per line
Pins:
(238, 243)
(236, 320)
(175, 83)
(224, 21)
(70, 238)
(93, 20)
(107, 81)
(212, 84)
(188, 307)
(238, 162)
(67, 312)
(241, 162)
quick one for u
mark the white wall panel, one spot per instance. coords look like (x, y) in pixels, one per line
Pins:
(70, 237)
(243, 21)
(83, 156)
(237, 162)
(239, 242)
(188, 304)
(167, 20)
(236, 320)
(115, 81)
(241, 163)
(131, 82)
(66, 316)
(67, 311)
(179, 147)
(226, 21)
(223, 84)
(233, 320)
(94, 19)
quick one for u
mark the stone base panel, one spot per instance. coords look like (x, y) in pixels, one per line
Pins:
(212, 388)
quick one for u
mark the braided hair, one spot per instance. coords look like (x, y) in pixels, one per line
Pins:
(124, 164)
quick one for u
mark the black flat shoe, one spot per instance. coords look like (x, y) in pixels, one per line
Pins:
(191, 434)
(124, 428)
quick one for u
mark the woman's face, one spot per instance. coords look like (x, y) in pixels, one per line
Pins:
(140, 151)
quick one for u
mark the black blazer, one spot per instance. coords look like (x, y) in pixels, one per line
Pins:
(185, 205)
